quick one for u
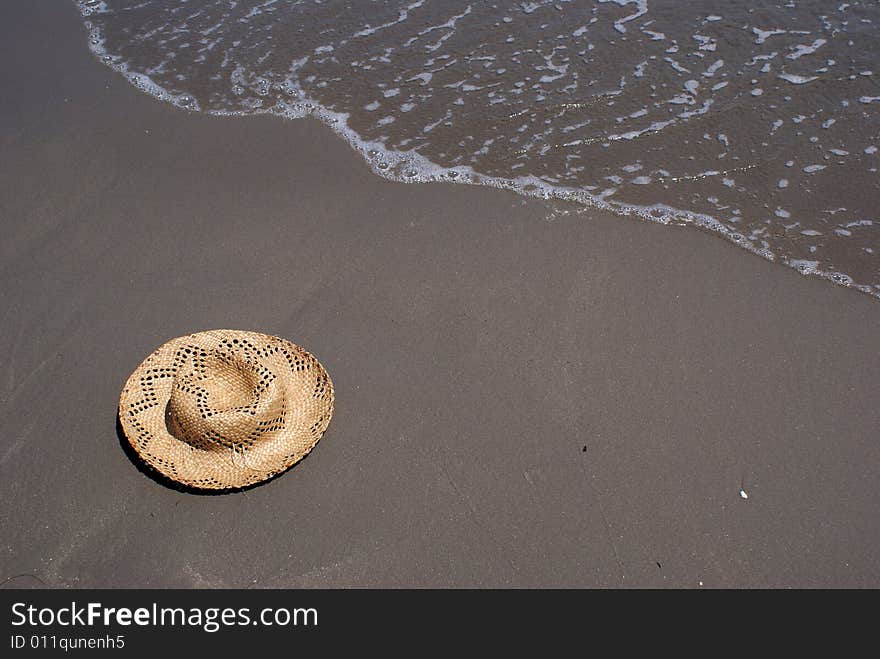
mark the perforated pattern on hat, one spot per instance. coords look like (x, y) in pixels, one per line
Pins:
(225, 409)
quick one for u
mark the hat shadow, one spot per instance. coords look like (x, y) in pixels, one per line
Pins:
(160, 478)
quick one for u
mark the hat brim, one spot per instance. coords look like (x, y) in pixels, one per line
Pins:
(144, 399)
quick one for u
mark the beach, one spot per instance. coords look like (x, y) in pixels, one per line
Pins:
(527, 394)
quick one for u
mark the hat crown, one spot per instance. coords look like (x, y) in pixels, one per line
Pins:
(222, 400)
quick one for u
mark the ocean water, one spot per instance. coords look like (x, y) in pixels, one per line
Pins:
(759, 121)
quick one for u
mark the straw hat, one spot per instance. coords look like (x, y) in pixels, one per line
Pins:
(225, 409)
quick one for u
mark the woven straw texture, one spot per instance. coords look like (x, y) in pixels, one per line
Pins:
(225, 409)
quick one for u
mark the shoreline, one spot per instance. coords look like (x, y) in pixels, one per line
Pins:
(390, 165)
(524, 398)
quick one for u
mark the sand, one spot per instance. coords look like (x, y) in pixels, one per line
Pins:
(525, 397)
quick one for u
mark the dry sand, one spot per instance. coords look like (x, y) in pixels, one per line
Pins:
(524, 398)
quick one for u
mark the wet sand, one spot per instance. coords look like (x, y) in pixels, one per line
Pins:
(524, 397)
